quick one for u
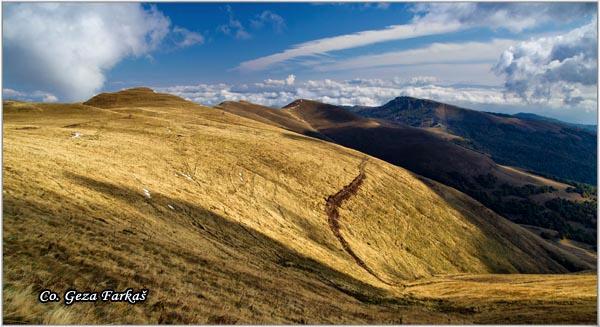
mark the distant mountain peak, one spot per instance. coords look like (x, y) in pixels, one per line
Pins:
(410, 103)
(405, 98)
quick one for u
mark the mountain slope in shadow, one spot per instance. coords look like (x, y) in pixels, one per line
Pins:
(532, 142)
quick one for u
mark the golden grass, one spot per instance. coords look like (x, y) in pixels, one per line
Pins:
(234, 230)
(567, 299)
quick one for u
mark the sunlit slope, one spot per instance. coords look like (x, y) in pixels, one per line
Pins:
(223, 219)
(516, 299)
(520, 196)
(429, 154)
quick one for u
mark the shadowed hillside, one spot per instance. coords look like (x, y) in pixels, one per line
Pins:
(546, 146)
(270, 116)
(224, 219)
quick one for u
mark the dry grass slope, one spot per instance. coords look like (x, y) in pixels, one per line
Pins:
(506, 190)
(223, 219)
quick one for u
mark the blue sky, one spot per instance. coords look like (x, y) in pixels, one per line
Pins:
(303, 22)
(508, 57)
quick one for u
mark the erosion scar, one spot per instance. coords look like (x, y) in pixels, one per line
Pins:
(331, 209)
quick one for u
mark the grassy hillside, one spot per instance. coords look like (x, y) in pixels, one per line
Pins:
(521, 196)
(224, 220)
(542, 145)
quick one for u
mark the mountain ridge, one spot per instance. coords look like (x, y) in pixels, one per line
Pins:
(541, 145)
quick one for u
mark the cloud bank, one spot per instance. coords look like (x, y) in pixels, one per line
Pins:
(375, 92)
(368, 92)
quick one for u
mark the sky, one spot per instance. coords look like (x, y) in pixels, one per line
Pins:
(501, 57)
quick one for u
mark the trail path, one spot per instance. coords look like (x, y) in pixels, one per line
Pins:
(331, 208)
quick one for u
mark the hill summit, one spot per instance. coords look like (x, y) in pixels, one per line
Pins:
(410, 103)
(139, 97)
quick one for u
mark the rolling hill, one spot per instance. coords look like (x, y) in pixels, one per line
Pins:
(521, 196)
(226, 219)
(531, 142)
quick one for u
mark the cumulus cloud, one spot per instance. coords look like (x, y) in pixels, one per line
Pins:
(560, 67)
(65, 48)
(288, 81)
(233, 27)
(431, 19)
(269, 18)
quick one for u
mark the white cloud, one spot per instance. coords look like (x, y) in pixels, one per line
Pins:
(431, 19)
(185, 38)
(65, 48)
(420, 80)
(48, 97)
(435, 53)
(290, 79)
(376, 5)
(561, 67)
(322, 46)
(351, 92)
(514, 17)
(269, 18)
(12, 94)
(36, 96)
(233, 27)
